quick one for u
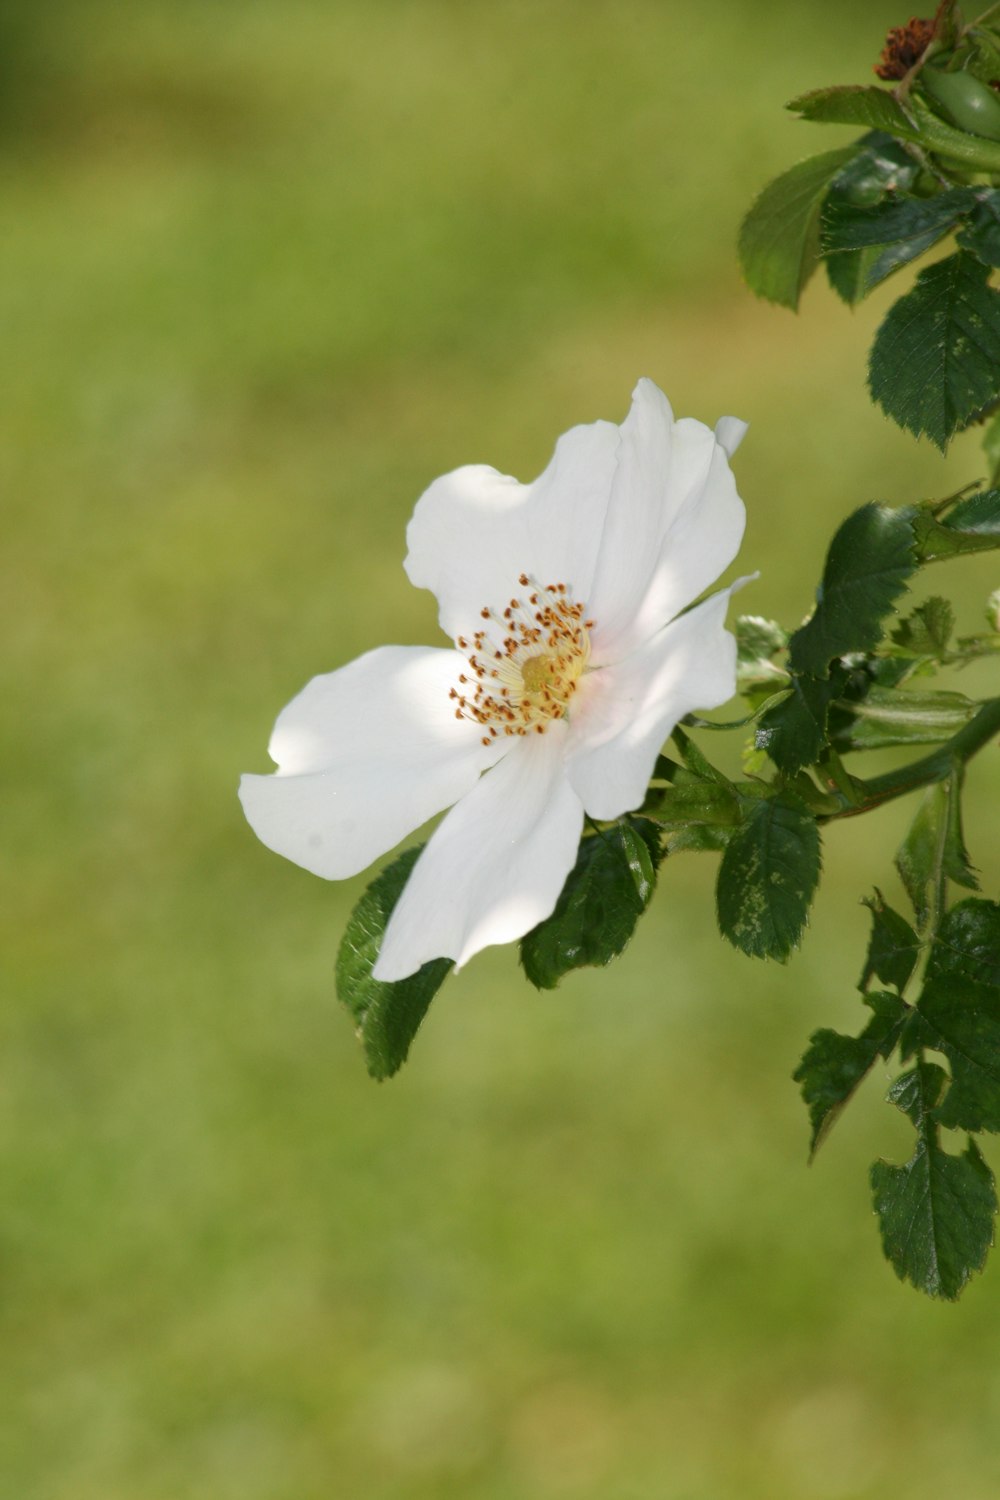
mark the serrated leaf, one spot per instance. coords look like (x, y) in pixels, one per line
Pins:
(834, 1065)
(888, 223)
(934, 850)
(853, 104)
(935, 1213)
(758, 641)
(927, 631)
(967, 943)
(893, 946)
(605, 894)
(981, 235)
(866, 569)
(848, 274)
(767, 877)
(779, 238)
(961, 1019)
(388, 1015)
(886, 262)
(793, 730)
(935, 361)
(973, 525)
(900, 716)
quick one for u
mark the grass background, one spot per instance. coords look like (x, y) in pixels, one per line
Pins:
(265, 270)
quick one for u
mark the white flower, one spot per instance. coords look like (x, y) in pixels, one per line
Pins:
(571, 665)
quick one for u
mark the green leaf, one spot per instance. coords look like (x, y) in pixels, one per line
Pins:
(767, 877)
(779, 238)
(834, 1065)
(853, 104)
(927, 631)
(758, 641)
(982, 233)
(866, 569)
(848, 274)
(793, 730)
(935, 361)
(991, 448)
(936, 1212)
(893, 222)
(934, 850)
(961, 1019)
(893, 946)
(605, 894)
(891, 716)
(973, 525)
(967, 943)
(881, 166)
(388, 1015)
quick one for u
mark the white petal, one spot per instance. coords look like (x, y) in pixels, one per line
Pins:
(674, 523)
(495, 866)
(730, 432)
(475, 531)
(365, 755)
(627, 710)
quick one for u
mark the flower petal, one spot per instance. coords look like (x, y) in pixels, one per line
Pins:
(628, 709)
(495, 866)
(674, 523)
(474, 531)
(365, 755)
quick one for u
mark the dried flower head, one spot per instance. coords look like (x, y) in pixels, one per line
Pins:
(904, 46)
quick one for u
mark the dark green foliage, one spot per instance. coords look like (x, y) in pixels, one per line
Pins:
(605, 894)
(893, 946)
(967, 943)
(935, 1213)
(981, 234)
(935, 361)
(834, 1065)
(961, 1019)
(767, 877)
(888, 223)
(388, 1015)
(793, 731)
(866, 569)
(881, 167)
(779, 238)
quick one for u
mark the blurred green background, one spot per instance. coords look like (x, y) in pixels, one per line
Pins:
(265, 270)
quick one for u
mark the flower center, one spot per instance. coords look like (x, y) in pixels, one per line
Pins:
(525, 663)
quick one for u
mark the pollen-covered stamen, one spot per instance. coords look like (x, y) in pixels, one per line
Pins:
(525, 663)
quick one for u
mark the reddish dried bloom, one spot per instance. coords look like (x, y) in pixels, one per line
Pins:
(904, 45)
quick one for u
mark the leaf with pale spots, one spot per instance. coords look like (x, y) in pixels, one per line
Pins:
(936, 1212)
(605, 894)
(388, 1015)
(767, 877)
(935, 362)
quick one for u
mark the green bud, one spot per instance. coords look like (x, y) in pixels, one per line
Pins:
(968, 103)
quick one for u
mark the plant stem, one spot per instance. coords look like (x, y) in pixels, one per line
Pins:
(930, 768)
